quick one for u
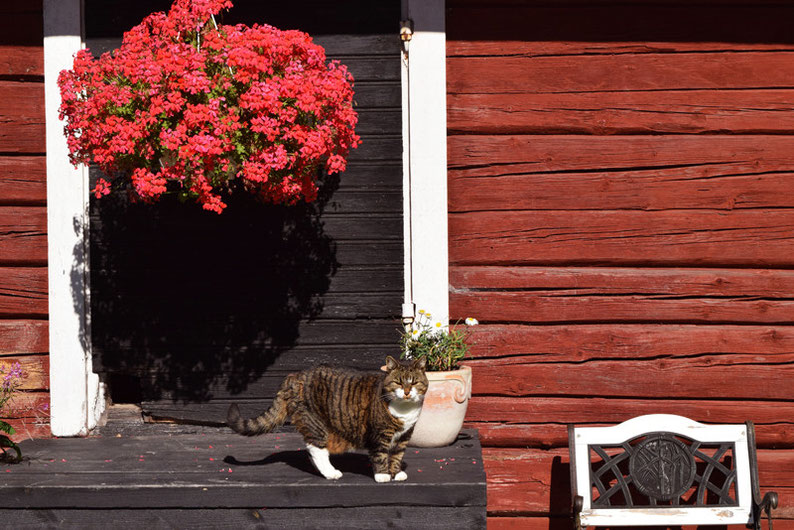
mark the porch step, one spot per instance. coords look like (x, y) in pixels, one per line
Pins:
(164, 477)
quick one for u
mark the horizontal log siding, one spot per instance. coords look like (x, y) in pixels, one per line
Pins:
(23, 218)
(621, 204)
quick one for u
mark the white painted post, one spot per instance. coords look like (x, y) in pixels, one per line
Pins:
(76, 396)
(426, 143)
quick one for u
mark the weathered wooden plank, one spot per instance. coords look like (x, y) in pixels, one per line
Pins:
(272, 471)
(604, 410)
(534, 294)
(584, 342)
(28, 404)
(23, 292)
(21, 61)
(23, 180)
(652, 112)
(749, 238)
(707, 377)
(548, 435)
(35, 370)
(405, 517)
(538, 481)
(559, 28)
(24, 336)
(606, 73)
(31, 428)
(23, 239)
(21, 117)
(628, 172)
(537, 522)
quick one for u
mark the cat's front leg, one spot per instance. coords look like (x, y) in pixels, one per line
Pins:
(380, 464)
(396, 461)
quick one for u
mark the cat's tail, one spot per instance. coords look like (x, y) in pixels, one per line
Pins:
(273, 417)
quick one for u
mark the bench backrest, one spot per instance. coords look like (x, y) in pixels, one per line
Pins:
(662, 469)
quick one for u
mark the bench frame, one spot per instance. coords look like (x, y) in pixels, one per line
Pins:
(671, 443)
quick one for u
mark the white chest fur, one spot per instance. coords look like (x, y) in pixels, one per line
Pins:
(406, 411)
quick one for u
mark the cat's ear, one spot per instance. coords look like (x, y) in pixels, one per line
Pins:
(420, 362)
(391, 364)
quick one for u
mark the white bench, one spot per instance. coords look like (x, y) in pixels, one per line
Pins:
(662, 469)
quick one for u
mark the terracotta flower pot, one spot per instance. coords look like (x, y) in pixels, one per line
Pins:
(444, 408)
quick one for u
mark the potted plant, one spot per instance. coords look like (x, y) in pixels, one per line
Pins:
(191, 107)
(449, 388)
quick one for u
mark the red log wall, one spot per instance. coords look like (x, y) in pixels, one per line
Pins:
(621, 198)
(23, 216)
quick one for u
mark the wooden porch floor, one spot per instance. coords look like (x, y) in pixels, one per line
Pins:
(165, 476)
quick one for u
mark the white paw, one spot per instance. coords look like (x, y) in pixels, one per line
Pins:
(402, 475)
(382, 477)
(334, 474)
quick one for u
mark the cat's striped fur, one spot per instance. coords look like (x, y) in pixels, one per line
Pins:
(336, 410)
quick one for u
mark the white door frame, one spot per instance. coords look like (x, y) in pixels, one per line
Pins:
(76, 396)
(425, 161)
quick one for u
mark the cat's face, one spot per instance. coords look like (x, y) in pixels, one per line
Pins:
(406, 382)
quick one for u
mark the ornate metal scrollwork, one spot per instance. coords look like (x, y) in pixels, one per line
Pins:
(662, 468)
(658, 469)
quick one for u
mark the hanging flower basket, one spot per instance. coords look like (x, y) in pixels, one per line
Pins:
(202, 109)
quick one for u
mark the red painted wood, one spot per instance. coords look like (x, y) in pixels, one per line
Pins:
(585, 342)
(566, 410)
(755, 238)
(30, 428)
(673, 112)
(627, 172)
(477, 27)
(22, 115)
(21, 60)
(23, 291)
(23, 235)
(23, 180)
(35, 370)
(601, 73)
(708, 377)
(538, 481)
(548, 435)
(29, 404)
(23, 336)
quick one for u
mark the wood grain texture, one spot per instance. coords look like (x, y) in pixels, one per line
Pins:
(586, 342)
(519, 172)
(28, 404)
(23, 180)
(23, 292)
(563, 27)
(35, 370)
(752, 238)
(23, 235)
(151, 472)
(673, 112)
(535, 294)
(579, 410)
(30, 428)
(403, 517)
(21, 117)
(550, 435)
(609, 73)
(23, 337)
(21, 61)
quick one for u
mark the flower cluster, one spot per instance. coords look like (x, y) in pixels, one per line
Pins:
(443, 347)
(10, 382)
(188, 105)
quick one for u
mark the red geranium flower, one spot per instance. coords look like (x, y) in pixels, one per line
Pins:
(204, 109)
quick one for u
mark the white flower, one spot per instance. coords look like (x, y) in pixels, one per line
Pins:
(471, 321)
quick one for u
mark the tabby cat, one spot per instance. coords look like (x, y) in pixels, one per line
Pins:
(336, 410)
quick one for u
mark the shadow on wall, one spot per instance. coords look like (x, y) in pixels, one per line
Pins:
(183, 299)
